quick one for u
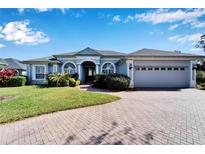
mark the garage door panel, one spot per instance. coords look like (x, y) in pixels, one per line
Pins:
(161, 78)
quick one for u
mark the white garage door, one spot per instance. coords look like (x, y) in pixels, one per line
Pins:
(161, 74)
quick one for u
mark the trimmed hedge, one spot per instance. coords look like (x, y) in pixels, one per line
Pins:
(117, 82)
(100, 81)
(112, 81)
(17, 81)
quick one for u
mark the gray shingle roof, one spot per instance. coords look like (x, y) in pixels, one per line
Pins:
(14, 63)
(43, 59)
(3, 62)
(90, 51)
(159, 53)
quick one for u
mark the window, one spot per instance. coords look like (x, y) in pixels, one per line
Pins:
(40, 72)
(163, 68)
(137, 68)
(55, 68)
(169, 68)
(149, 68)
(108, 68)
(156, 68)
(143, 68)
(176, 68)
(182, 68)
(69, 68)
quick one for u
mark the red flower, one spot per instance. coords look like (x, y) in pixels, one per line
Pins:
(5, 74)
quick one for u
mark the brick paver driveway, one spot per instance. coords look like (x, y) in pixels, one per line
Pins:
(140, 117)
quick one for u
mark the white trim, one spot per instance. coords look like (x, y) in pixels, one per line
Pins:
(107, 59)
(87, 58)
(101, 68)
(62, 68)
(67, 59)
(34, 72)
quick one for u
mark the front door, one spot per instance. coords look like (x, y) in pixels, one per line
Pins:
(89, 74)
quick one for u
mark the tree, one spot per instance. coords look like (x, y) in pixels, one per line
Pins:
(201, 43)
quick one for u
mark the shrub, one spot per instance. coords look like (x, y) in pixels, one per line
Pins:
(112, 81)
(58, 80)
(27, 83)
(72, 82)
(75, 76)
(77, 83)
(100, 81)
(200, 77)
(5, 74)
(17, 81)
(117, 82)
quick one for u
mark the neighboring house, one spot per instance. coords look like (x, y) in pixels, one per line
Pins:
(146, 67)
(2, 63)
(15, 64)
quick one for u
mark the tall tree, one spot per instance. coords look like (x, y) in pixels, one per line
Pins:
(201, 43)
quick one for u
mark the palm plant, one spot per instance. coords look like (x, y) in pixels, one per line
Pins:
(58, 80)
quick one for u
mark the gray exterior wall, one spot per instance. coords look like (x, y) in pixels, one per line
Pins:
(122, 68)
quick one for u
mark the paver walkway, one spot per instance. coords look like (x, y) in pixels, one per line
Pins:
(140, 117)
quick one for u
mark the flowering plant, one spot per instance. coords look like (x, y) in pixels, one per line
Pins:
(5, 74)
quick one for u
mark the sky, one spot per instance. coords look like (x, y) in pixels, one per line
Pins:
(33, 33)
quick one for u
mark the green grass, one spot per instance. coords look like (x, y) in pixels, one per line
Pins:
(30, 101)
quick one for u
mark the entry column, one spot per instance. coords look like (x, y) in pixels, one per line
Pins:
(97, 68)
(130, 72)
(79, 72)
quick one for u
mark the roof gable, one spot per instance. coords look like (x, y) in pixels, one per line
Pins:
(88, 51)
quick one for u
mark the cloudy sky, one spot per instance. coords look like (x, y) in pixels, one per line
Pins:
(32, 33)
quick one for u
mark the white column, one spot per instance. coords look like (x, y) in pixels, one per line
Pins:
(192, 75)
(130, 72)
(97, 69)
(79, 72)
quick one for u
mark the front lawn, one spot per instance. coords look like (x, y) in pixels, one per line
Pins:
(22, 102)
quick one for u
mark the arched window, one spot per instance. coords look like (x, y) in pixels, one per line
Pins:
(69, 68)
(108, 68)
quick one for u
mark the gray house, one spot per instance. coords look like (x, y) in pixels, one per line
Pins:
(146, 67)
(15, 64)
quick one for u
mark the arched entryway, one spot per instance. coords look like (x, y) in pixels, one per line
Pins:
(89, 71)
